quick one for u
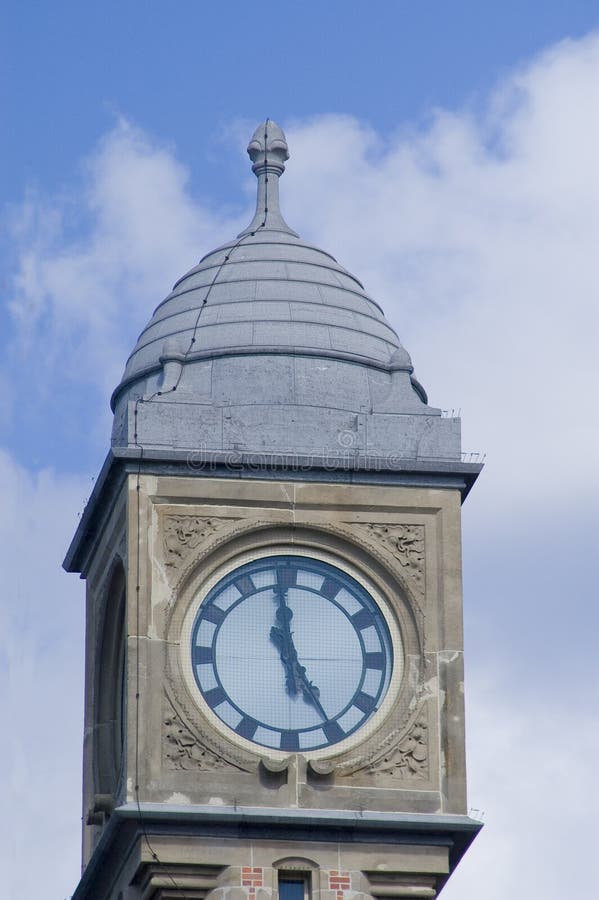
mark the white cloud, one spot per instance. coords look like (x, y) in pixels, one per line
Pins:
(479, 234)
(93, 264)
(41, 681)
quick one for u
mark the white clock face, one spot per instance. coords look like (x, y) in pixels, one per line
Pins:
(291, 653)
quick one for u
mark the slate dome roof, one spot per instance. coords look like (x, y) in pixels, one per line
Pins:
(272, 293)
(267, 328)
(267, 291)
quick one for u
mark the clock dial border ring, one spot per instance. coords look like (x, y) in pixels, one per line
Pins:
(369, 723)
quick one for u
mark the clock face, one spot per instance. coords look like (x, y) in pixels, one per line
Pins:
(291, 653)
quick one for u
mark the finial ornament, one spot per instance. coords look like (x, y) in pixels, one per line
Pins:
(268, 148)
(268, 152)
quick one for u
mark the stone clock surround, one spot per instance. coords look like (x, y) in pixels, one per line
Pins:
(294, 545)
(404, 540)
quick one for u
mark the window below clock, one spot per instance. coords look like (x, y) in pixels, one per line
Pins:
(294, 886)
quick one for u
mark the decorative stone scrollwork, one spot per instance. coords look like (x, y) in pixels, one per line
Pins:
(183, 749)
(403, 754)
(409, 757)
(183, 534)
(406, 543)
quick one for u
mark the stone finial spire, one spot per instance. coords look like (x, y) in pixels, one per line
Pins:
(268, 152)
(268, 148)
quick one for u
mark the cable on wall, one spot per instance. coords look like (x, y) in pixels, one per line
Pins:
(227, 259)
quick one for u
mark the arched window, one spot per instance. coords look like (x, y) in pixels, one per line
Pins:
(110, 689)
(297, 878)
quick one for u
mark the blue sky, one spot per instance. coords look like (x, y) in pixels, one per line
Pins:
(184, 70)
(446, 153)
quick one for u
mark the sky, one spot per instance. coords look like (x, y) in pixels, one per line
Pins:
(445, 153)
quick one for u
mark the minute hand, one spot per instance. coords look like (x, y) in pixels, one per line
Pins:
(295, 674)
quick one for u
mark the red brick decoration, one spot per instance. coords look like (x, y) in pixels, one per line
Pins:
(339, 882)
(252, 878)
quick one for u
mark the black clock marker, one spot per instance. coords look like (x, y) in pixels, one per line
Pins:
(362, 619)
(330, 588)
(333, 731)
(286, 577)
(214, 614)
(202, 655)
(215, 697)
(245, 585)
(290, 741)
(364, 702)
(247, 728)
(374, 661)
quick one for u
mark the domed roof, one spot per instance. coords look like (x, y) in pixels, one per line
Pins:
(267, 291)
(269, 345)
(270, 293)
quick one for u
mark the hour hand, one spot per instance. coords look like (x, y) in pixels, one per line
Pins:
(284, 645)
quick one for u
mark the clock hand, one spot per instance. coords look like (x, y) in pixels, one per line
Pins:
(280, 635)
(310, 691)
(295, 674)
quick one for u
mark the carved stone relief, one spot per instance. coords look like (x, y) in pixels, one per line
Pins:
(406, 543)
(185, 748)
(403, 754)
(184, 534)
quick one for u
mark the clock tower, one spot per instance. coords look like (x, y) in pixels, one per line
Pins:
(274, 661)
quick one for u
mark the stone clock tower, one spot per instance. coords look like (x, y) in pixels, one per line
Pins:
(274, 677)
